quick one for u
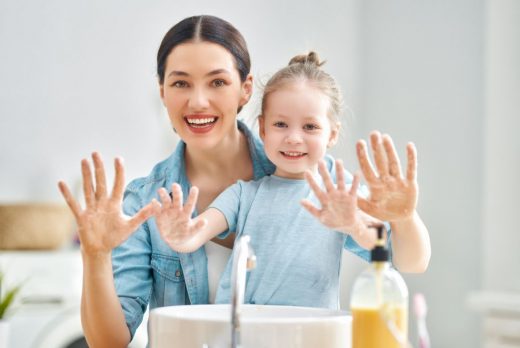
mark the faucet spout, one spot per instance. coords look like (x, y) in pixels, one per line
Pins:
(244, 259)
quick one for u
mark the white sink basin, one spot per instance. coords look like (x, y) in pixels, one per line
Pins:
(209, 326)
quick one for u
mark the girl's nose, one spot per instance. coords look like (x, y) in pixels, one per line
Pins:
(198, 99)
(293, 137)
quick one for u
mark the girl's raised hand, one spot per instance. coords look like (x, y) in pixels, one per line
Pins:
(174, 221)
(392, 197)
(102, 226)
(338, 205)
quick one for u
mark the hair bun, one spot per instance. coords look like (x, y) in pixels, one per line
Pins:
(309, 58)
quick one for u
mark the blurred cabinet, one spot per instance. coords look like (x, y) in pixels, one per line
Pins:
(501, 318)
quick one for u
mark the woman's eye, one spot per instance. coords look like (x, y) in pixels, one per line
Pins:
(180, 84)
(280, 124)
(219, 83)
(310, 127)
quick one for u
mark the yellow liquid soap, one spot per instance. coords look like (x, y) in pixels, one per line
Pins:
(379, 304)
(370, 330)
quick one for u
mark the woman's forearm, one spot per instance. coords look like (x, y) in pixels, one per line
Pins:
(102, 317)
(411, 248)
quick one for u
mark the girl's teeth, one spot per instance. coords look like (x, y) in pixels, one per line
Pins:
(293, 154)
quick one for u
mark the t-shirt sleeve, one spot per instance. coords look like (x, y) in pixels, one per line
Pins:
(228, 203)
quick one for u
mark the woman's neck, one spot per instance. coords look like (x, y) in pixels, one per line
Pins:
(219, 161)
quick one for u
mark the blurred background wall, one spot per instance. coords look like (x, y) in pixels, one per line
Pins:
(79, 76)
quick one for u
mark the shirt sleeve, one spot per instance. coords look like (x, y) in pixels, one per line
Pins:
(131, 268)
(228, 203)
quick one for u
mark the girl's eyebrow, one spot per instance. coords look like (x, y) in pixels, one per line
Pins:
(211, 73)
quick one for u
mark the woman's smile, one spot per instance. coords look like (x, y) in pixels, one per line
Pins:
(200, 123)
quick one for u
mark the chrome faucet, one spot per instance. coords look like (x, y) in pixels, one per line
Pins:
(244, 259)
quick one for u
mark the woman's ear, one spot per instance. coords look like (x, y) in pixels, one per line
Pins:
(261, 126)
(161, 91)
(334, 134)
(247, 90)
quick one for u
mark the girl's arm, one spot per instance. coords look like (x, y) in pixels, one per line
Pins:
(393, 198)
(182, 233)
(339, 206)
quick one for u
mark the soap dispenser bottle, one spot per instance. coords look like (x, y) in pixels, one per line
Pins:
(379, 303)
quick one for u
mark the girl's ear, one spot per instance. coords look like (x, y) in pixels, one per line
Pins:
(334, 134)
(261, 126)
(247, 90)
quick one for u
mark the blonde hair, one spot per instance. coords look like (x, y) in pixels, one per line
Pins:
(306, 68)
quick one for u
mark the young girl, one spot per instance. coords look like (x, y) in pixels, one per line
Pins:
(298, 256)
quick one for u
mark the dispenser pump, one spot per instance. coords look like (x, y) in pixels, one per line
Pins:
(380, 253)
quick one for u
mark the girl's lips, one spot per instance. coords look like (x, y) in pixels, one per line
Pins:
(200, 123)
(293, 155)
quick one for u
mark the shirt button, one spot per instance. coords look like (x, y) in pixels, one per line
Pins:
(177, 273)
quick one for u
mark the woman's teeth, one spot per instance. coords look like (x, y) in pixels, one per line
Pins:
(201, 121)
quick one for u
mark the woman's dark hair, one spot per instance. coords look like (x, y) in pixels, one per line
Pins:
(205, 28)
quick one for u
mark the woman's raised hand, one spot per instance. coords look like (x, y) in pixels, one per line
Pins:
(338, 205)
(392, 197)
(102, 226)
(174, 221)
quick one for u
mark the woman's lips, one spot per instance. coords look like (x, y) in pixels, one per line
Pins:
(200, 123)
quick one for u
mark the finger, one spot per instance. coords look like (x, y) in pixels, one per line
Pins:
(141, 216)
(327, 180)
(71, 202)
(119, 181)
(355, 184)
(316, 189)
(165, 198)
(394, 165)
(156, 207)
(101, 181)
(311, 208)
(411, 171)
(191, 201)
(340, 175)
(88, 188)
(379, 153)
(364, 163)
(176, 196)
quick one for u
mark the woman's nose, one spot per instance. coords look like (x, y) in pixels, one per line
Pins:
(198, 99)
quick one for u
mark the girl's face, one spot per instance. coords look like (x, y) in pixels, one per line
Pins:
(296, 130)
(202, 92)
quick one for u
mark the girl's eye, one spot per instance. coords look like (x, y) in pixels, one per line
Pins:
(180, 84)
(219, 83)
(311, 126)
(280, 124)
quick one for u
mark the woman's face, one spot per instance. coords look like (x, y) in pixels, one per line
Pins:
(202, 92)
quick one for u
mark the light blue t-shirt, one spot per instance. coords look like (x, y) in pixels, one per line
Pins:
(146, 270)
(297, 258)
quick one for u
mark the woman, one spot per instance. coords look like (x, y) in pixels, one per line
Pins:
(203, 68)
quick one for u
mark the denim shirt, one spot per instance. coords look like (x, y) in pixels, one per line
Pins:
(146, 270)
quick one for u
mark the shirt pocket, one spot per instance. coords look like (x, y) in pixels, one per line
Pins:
(169, 287)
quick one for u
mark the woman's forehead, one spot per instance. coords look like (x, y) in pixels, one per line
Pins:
(200, 57)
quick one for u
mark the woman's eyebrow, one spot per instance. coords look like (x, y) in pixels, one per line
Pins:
(211, 73)
(218, 71)
(178, 73)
